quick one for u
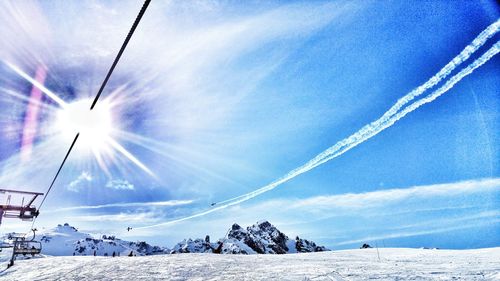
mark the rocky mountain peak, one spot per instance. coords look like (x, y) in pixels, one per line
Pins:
(259, 238)
(236, 232)
(65, 228)
(264, 238)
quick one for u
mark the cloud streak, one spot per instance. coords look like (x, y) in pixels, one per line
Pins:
(169, 203)
(387, 202)
(121, 217)
(389, 118)
(423, 232)
(394, 211)
(382, 197)
(120, 185)
(83, 177)
(366, 200)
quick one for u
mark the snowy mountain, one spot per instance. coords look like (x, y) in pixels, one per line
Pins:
(260, 238)
(66, 240)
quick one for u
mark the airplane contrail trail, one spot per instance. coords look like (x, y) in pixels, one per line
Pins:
(330, 153)
(357, 138)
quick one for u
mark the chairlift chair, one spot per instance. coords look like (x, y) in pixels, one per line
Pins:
(22, 246)
(26, 211)
(27, 248)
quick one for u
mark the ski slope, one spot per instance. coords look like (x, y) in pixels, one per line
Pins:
(359, 264)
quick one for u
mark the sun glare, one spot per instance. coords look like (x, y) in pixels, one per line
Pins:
(95, 126)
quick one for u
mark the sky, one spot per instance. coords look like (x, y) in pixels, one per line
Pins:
(213, 100)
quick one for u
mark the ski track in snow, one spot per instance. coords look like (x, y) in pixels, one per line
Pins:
(394, 264)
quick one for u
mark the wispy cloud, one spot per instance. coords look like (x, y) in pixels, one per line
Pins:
(355, 217)
(120, 217)
(76, 185)
(420, 232)
(320, 207)
(169, 203)
(383, 197)
(120, 184)
(462, 218)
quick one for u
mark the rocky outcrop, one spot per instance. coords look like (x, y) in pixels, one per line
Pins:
(192, 246)
(260, 238)
(306, 246)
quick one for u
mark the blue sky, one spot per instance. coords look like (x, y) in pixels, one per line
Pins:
(217, 99)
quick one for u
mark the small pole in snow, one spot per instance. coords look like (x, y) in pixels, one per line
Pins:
(378, 254)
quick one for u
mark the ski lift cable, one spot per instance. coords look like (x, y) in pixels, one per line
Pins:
(55, 177)
(124, 45)
(59, 170)
(115, 62)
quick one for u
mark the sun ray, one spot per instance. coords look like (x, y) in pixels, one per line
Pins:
(162, 148)
(37, 84)
(24, 98)
(128, 155)
(100, 161)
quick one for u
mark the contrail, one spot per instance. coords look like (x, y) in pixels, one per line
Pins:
(370, 130)
(359, 137)
(333, 151)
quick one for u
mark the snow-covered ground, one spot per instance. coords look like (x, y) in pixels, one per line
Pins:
(362, 264)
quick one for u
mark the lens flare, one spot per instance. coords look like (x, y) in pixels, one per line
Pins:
(95, 126)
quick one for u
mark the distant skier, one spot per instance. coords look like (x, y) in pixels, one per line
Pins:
(114, 254)
(213, 204)
(129, 228)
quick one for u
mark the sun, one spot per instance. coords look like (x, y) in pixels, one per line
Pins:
(99, 128)
(95, 126)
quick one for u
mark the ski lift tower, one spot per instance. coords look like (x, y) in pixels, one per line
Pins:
(15, 207)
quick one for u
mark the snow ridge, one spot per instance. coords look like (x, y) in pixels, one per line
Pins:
(66, 240)
(260, 238)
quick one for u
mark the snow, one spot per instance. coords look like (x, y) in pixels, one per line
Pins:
(235, 247)
(66, 240)
(192, 246)
(359, 264)
(196, 260)
(60, 240)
